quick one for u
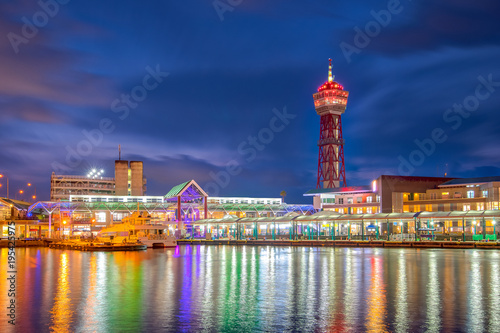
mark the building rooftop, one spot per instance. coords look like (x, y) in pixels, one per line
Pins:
(340, 190)
(465, 181)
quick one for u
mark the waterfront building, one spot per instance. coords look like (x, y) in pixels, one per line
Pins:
(180, 207)
(16, 211)
(383, 195)
(402, 194)
(63, 186)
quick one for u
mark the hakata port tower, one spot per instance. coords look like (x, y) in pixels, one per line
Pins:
(330, 102)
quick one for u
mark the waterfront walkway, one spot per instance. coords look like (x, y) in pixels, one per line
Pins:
(346, 243)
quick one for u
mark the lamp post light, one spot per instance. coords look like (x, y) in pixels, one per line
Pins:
(64, 224)
(2, 176)
(34, 187)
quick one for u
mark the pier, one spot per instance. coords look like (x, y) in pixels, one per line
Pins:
(347, 243)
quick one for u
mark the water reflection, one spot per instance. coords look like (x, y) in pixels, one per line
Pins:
(402, 315)
(376, 318)
(475, 313)
(62, 311)
(224, 288)
(494, 296)
(433, 321)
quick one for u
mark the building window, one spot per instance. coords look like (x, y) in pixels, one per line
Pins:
(349, 200)
(433, 196)
(485, 194)
(470, 194)
(480, 206)
(369, 210)
(445, 195)
(341, 201)
(428, 208)
(359, 199)
(369, 199)
(359, 210)
(378, 198)
(466, 207)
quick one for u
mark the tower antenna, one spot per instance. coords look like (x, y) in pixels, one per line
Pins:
(119, 152)
(330, 76)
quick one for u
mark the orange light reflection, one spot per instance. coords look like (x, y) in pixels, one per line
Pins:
(61, 311)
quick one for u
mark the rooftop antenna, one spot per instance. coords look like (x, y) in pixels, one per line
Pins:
(330, 76)
(119, 152)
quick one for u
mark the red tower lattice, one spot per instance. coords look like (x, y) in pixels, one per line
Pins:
(330, 102)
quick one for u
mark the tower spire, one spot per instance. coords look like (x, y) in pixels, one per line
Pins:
(330, 76)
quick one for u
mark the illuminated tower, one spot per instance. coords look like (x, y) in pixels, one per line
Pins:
(330, 102)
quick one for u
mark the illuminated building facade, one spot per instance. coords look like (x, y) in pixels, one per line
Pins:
(330, 102)
(401, 194)
(129, 180)
(63, 186)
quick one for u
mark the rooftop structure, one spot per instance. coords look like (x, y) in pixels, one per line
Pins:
(128, 181)
(63, 186)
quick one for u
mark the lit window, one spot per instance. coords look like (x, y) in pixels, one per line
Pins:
(470, 194)
(466, 207)
(485, 194)
(369, 199)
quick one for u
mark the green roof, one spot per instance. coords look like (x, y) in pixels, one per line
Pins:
(176, 190)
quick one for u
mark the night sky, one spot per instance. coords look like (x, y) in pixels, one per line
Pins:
(231, 71)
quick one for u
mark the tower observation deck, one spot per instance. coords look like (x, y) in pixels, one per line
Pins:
(330, 102)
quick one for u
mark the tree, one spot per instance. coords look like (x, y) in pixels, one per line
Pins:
(283, 195)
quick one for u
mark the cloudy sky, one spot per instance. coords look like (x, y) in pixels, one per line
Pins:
(73, 80)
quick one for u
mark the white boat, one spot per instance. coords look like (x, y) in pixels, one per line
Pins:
(137, 228)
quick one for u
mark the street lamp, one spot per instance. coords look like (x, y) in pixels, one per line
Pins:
(34, 186)
(2, 176)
